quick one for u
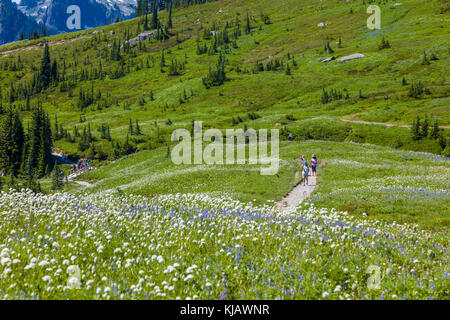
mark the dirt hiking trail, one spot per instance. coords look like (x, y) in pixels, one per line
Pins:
(300, 192)
(297, 195)
(386, 124)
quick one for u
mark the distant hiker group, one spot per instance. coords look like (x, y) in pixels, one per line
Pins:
(305, 168)
(80, 165)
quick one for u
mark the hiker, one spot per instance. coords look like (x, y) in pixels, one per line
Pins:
(314, 162)
(305, 173)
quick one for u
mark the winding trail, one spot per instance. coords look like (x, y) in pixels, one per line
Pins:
(38, 45)
(297, 195)
(300, 192)
(386, 124)
(83, 183)
(75, 175)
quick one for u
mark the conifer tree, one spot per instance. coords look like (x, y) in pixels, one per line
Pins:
(54, 72)
(442, 141)
(57, 180)
(425, 60)
(130, 128)
(216, 77)
(415, 129)
(328, 48)
(384, 44)
(169, 19)
(12, 183)
(40, 142)
(137, 129)
(435, 130)
(288, 69)
(29, 178)
(424, 127)
(45, 75)
(248, 27)
(12, 142)
(154, 24)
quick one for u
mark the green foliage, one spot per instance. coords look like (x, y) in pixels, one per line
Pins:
(121, 73)
(327, 48)
(320, 129)
(426, 60)
(169, 16)
(417, 90)
(333, 95)
(248, 27)
(384, 44)
(176, 68)
(415, 129)
(155, 22)
(57, 178)
(216, 77)
(45, 74)
(12, 142)
(265, 18)
(435, 131)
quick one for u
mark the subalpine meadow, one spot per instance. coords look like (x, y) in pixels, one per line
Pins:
(141, 227)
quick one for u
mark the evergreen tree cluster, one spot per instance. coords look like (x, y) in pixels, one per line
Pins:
(12, 64)
(275, 64)
(327, 48)
(134, 130)
(236, 121)
(25, 155)
(48, 72)
(176, 68)
(384, 44)
(105, 132)
(265, 18)
(86, 97)
(142, 8)
(420, 130)
(216, 77)
(417, 90)
(427, 60)
(224, 39)
(333, 95)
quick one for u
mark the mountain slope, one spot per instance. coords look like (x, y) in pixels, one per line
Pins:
(13, 22)
(133, 85)
(94, 13)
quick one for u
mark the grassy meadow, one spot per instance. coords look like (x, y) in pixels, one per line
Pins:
(140, 227)
(379, 182)
(373, 83)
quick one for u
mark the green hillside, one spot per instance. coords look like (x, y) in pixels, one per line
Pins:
(373, 224)
(361, 179)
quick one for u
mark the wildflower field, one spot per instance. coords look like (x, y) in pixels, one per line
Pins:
(383, 183)
(140, 227)
(112, 246)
